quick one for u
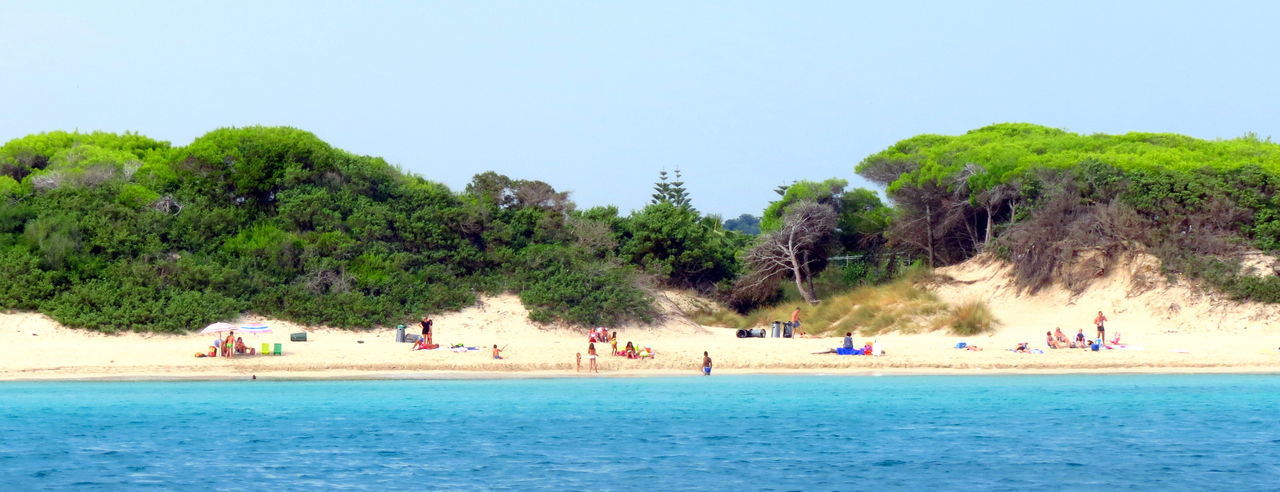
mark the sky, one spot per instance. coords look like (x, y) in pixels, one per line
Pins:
(597, 97)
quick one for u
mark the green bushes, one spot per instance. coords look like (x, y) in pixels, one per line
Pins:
(120, 232)
(555, 284)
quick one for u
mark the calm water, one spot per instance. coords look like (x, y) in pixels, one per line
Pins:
(745, 432)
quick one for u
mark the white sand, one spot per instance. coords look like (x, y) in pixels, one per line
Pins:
(1218, 335)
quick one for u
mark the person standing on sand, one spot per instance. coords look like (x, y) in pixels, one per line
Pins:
(426, 329)
(579, 354)
(1101, 320)
(229, 344)
(591, 358)
(706, 364)
(795, 323)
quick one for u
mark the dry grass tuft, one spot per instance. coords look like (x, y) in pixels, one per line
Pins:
(901, 305)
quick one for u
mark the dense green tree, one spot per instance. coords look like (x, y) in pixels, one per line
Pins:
(677, 244)
(745, 223)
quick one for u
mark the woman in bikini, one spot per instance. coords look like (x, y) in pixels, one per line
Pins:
(591, 358)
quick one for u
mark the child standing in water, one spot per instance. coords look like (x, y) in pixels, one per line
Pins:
(706, 364)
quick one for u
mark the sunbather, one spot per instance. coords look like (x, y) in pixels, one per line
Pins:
(1022, 348)
(1059, 336)
(1053, 344)
(241, 348)
(974, 348)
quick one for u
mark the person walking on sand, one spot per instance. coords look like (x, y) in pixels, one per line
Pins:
(426, 329)
(795, 323)
(1101, 320)
(706, 364)
(591, 358)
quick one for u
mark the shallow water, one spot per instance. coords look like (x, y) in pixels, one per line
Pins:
(741, 432)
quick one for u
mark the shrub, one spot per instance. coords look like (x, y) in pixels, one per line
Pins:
(971, 318)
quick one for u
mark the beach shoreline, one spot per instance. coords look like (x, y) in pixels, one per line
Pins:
(462, 375)
(39, 349)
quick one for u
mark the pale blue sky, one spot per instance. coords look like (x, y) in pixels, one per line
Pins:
(597, 97)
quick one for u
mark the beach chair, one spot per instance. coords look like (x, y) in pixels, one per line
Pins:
(266, 349)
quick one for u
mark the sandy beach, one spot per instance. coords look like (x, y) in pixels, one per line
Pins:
(1167, 328)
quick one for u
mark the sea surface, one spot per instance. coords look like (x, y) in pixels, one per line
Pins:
(1183, 432)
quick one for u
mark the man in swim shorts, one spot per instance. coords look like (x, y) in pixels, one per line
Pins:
(1101, 320)
(706, 364)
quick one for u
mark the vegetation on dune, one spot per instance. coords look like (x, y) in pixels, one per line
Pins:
(1046, 199)
(901, 305)
(121, 232)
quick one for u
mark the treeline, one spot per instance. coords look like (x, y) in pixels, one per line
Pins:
(1047, 199)
(122, 232)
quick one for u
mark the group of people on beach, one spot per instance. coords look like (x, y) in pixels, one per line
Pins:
(1056, 339)
(228, 347)
(600, 335)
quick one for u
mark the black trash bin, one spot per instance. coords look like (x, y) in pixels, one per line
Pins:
(742, 334)
(786, 330)
(298, 337)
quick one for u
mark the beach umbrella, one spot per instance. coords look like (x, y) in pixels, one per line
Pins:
(254, 329)
(218, 328)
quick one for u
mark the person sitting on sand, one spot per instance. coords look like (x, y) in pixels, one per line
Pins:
(1049, 340)
(215, 346)
(630, 351)
(646, 353)
(1116, 341)
(1080, 338)
(1022, 348)
(848, 340)
(1059, 336)
(241, 348)
(421, 344)
(497, 352)
(868, 349)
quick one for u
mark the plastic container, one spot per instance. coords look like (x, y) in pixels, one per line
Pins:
(777, 329)
(399, 333)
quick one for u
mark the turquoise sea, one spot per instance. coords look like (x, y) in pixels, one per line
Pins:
(1190, 432)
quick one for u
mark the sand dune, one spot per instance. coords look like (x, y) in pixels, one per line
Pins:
(1178, 327)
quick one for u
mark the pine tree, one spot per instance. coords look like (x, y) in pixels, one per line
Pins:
(662, 189)
(677, 195)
